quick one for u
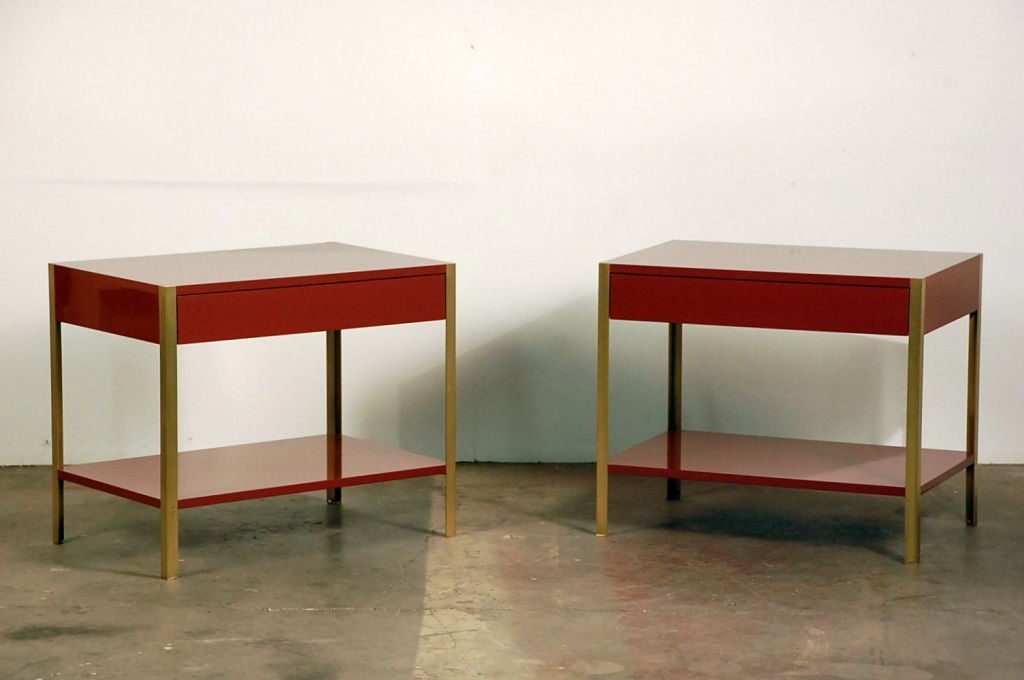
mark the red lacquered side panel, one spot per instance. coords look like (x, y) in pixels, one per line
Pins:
(952, 293)
(106, 303)
(303, 309)
(760, 304)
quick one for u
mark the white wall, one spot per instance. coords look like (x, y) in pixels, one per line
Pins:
(525, 141)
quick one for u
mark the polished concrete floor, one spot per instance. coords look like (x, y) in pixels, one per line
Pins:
(731, 582)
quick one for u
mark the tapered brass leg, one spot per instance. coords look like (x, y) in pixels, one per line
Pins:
(603, 347)
(333, 411)
(56, 419)
(168, 433)
(450, 438)
(973, 373)
(915, 387)
(675, 397)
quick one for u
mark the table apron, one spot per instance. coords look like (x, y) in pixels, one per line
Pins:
(882, 310)
(302, 309)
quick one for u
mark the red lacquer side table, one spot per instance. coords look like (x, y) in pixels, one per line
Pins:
(883, 292)
(173, 300)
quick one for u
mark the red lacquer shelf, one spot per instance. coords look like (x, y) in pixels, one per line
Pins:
(260, 470)
(783, 462)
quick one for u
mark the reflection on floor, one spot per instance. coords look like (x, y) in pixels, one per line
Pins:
(729, 583)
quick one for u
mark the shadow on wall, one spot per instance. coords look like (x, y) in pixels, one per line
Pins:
(529, 395)
(111, 396)
(525, 396)
(812, 385)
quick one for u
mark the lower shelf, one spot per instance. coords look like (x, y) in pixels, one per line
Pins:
(246, 471)
(775, 461)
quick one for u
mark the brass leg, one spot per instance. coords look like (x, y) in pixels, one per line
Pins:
(973, 372)
(56, 418)
(168, 433)
(603, 347)
(971, 496)
(915, 386)
(675, 397)
(333, 411)
(449, 402)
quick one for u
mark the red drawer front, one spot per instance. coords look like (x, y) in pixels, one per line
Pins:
(760, 304)
(207, 317)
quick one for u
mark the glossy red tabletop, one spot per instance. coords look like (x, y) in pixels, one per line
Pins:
(235, 294)
(792, 287)
(231, 269)
(788, 263)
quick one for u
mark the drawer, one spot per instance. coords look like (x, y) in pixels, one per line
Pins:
(206, 317)
(761, 304)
